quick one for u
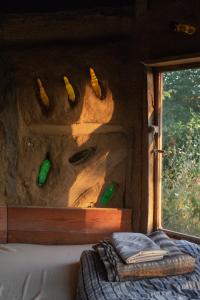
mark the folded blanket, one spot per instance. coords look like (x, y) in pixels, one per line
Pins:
(93, 283)
(174, 263)
(136, 247)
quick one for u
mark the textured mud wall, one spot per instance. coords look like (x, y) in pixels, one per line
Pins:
(28, 133)
(8, 132)
(117, 125)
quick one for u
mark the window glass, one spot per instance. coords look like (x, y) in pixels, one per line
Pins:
(181, 142)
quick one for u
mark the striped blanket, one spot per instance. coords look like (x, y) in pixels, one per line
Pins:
(93, 283)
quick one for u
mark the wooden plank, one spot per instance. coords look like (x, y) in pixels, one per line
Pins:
(148, 168)
(158, 108)
(64, 226)
(55, 238)
(181, 236)
(47, 27)
(3, 224)
(75, 129)
(151, 206)
(174, 61)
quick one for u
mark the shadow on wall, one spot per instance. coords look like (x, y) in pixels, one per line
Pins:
(105, 169)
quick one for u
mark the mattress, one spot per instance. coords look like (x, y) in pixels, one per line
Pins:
(37, 272)
(93, 282)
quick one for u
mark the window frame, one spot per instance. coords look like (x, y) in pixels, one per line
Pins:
(154, 95)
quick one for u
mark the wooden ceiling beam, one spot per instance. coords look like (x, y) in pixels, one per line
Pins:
(62, 26)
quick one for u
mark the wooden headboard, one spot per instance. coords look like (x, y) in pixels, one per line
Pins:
(36, 225)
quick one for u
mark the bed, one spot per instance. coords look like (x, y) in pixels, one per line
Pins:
(38, 272)
(93, 282)
(40, 248)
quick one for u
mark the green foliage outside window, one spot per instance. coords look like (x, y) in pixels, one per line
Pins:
(181, 142)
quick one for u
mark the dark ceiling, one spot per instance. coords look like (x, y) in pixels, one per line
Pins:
(22, 6)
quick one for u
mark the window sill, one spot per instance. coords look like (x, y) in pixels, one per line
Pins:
(181, 236)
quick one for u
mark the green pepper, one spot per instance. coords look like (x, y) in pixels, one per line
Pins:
(108, 193)
(44, 170)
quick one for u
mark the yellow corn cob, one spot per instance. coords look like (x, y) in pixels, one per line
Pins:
(69, 88)
(94, 83)
(43, 94)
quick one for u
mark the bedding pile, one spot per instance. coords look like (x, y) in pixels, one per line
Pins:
(114, 256)
(105, 275)
(93, 283)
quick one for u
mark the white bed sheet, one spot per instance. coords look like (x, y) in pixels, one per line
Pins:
(37, 272)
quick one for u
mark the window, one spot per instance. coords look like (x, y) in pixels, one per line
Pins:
(181, 143)
(174, 148)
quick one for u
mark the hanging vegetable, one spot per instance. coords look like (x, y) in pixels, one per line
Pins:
(108, 193)
(69, 89)
(186, 28)
(44, 170)
(95, 84)
(43, 95)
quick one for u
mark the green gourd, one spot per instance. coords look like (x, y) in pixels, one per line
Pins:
(44, 170)
(108, 193)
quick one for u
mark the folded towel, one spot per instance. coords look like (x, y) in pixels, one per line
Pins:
(174, 263)
(136, 247)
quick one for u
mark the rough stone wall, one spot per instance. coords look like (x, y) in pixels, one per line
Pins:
(103, 124)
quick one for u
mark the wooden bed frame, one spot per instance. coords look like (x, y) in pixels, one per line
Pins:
(36, 225)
